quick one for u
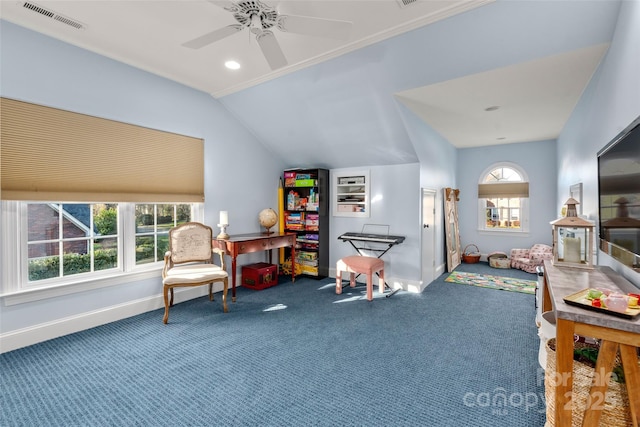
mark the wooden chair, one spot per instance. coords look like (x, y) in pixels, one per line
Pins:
(189, 262)
(361, 265)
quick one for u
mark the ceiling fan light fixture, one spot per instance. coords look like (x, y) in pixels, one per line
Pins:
(232, 65)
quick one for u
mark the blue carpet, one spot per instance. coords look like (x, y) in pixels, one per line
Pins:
(293, 355)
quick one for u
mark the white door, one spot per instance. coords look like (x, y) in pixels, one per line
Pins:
(428, 235)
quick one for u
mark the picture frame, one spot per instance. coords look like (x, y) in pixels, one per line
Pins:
(575, 192)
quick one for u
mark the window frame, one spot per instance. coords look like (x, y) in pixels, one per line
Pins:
(524, 202)
(14, 285)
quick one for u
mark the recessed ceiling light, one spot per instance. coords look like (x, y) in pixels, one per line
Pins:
(492, 108)
(232, 65)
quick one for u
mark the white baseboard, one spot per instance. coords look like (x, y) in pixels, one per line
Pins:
(45, 331)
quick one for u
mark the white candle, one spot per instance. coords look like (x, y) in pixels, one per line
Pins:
(572, 249)
(224, 217)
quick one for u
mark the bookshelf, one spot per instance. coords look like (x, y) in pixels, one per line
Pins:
(306, 213)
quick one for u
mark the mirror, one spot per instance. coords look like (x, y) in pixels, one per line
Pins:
(451, 197)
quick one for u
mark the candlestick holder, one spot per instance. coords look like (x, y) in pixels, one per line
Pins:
(223, 231)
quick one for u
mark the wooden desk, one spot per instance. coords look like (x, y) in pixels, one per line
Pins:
(615, 333)
(254, 242)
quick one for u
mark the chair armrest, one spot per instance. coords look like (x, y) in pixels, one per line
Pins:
(167, 263)
(221, 254)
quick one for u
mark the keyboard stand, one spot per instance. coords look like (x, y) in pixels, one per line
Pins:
(381, 239)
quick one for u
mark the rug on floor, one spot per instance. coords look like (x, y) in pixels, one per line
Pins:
(493, 282)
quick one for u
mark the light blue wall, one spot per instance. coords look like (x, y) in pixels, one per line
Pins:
(395, 194)
(609, 104)
(538, 159)
(438, 162)
(240, 175)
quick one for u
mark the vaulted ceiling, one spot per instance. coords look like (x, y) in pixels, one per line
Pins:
(335, 77)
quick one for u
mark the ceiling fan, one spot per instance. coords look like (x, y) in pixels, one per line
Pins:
(259, 18)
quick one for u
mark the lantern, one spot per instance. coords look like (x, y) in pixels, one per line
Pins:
(572, 239)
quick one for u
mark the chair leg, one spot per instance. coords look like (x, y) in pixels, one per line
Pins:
(224, 295)
(171, 302)
(352, 279)
(211, 291)
(165, 319)
(338, 282)
(370, 287)
(381, 281)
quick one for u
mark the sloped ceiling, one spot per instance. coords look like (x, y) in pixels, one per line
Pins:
(341, 107)
(533, 59)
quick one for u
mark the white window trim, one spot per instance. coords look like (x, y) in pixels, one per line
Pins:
(13, 234)
(524, 204)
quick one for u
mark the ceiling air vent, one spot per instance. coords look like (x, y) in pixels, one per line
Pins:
(405, 3)
(53, 15)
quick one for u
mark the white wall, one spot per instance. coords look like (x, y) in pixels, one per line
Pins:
(538, 159)
(240, 175)
(609, 104)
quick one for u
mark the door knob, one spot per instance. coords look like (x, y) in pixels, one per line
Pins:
(425, 225)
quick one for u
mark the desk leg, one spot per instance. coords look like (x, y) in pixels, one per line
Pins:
(602, 374)
(293, 262)
(233, 279)
(629, 357)
(564, 371)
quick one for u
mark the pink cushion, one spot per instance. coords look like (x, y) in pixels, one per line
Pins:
(361, 264)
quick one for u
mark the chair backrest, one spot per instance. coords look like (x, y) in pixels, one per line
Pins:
(190, 242)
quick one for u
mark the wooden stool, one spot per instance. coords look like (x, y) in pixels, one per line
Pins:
(361, 265)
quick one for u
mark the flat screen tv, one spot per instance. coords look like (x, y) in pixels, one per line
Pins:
(619, 196)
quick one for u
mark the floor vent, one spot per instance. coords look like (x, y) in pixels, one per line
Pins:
(53, 15)
(405, 3)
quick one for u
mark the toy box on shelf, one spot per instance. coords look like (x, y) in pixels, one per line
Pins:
(260, 275)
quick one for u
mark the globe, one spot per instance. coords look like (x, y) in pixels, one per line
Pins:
(268, 218)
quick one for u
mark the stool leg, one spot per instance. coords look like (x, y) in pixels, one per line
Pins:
(370, 287)
(352, 279)
(381, 281)
(338, 282)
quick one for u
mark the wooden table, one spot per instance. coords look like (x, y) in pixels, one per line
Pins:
(615, 333)
(254, 242)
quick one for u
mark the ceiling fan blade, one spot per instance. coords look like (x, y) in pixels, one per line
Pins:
(271, 50)
(319, 27)
(225, 4)
(213, 36)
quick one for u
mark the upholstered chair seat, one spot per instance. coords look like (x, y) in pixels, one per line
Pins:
(529, 259)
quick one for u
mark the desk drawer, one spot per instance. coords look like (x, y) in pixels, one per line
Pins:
(265, 244)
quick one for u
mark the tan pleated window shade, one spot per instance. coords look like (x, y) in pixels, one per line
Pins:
(56, 155)
(503, 190)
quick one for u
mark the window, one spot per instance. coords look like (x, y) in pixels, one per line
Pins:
(114, 229)
(50, 245)
(153, 222)
(503, 199)
(68, 239)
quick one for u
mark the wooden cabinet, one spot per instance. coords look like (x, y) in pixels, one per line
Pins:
(306, 213)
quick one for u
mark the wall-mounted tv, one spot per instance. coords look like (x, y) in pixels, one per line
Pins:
(619, 196)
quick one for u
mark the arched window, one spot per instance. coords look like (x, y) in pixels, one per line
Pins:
(503, 198)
